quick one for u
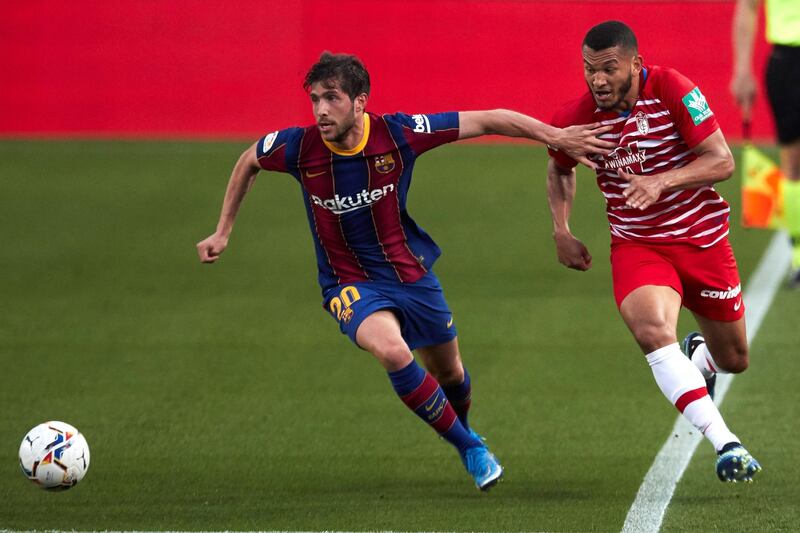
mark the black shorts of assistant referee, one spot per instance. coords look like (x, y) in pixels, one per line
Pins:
(783, 90)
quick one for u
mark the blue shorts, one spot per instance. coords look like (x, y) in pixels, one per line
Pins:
(425, 319)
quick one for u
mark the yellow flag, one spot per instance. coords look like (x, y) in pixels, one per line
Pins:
(762, 194)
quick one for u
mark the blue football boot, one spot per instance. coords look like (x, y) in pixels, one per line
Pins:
(690, 344)
(736, 464)
(482, 465)
(475, 435)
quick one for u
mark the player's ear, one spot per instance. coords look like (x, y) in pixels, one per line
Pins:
(360, 102)
(636, 64)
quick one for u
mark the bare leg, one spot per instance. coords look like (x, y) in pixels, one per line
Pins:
(790, 160)
(726, 342)
(651, 313)
(443, 361)
(380, 335)
(790, 165)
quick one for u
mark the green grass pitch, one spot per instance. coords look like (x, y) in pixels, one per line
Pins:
(222, 397)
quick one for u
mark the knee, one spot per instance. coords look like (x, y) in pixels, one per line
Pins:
(449, 376)
(734, 358)
(654, 335)
(393, 355)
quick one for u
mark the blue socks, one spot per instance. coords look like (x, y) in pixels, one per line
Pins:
(423, 395)
(460, 397)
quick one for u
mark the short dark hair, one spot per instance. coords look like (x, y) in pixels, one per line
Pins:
(609, 34)
(347, 69)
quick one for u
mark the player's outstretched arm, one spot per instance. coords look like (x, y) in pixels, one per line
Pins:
(714, 163)
(560, 192)
(242, 178)
(576, 141)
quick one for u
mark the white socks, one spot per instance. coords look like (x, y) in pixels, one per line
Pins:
(684, 386)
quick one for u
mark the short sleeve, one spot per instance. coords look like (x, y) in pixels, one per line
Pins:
(271, 148)
(424, 132)
(690, 111)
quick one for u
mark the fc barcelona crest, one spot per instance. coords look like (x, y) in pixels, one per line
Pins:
(641, 123)
(384, 163)
(347, 315)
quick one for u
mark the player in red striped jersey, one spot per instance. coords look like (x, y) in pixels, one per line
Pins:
(668, 225)
(354, 169)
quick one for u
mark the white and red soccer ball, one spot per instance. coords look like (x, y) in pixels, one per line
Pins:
(54, 455)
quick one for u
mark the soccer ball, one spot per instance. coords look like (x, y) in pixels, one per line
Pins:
(54, 455)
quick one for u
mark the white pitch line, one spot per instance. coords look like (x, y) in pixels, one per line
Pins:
(655, 493)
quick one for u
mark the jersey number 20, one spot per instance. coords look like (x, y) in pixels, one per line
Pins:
(338, 304)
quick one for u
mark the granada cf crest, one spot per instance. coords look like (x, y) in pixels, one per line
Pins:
(641, 123)
(384, 163)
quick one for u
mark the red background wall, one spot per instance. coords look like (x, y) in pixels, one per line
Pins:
(184, 68)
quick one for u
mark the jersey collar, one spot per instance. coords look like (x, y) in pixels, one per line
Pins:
(356, 149)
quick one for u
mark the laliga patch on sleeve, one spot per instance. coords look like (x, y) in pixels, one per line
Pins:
(269, 140)
(697, 106)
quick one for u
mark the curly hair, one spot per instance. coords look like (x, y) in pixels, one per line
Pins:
(347, 69)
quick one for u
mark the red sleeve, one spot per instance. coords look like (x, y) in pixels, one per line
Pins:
(562, 119)
(690, 111)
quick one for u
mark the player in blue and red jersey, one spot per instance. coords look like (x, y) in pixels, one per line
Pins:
(374, 261)
(668, 225)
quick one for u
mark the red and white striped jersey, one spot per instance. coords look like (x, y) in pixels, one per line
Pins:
(669, 119)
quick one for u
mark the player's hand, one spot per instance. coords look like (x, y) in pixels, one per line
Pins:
(210, 248)
(580, 141)
(571, 252)
(642, 191)
(744, 89)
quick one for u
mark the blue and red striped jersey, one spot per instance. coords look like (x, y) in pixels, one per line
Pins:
(356, 200)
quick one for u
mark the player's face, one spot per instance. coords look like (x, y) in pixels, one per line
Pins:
(334, 111)
(611, 75)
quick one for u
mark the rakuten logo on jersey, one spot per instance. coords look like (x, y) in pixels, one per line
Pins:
(344, 204)
(729, 294)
